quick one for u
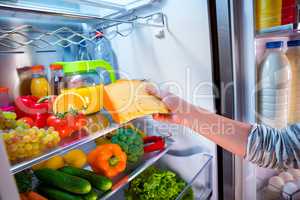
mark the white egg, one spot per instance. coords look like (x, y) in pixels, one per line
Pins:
(286, 176)
(289, 189)
(275, 183)
(295, 172)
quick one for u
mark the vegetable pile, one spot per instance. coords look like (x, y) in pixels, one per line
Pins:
(131, 142)
(156, 184)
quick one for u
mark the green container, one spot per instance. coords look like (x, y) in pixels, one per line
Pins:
(87, 66)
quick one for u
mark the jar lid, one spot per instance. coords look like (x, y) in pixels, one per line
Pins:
(274, 44)
(56, 67)
(78, 66)
(37, 68)
(4, 90)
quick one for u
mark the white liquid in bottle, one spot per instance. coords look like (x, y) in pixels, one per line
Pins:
(293, 54)
(274, 77)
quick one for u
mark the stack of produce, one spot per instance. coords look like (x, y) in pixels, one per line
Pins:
(71, 183)
(156, 184)
(67, 123)
(131, 142)
(75, 158)
(108, 160)
(8, 121)
(24, 143)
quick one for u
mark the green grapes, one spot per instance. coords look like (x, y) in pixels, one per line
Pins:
(22, 143)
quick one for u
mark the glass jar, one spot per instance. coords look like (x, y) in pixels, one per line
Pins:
(39, 86)
(82, 78)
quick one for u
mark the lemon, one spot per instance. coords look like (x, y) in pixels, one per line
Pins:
(38, 166)
(67, 101)
(75, 158)
(55, 162)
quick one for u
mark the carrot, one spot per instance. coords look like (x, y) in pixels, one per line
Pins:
(23, 196)
(35, 196)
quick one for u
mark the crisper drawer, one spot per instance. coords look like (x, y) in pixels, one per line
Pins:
(198, 179)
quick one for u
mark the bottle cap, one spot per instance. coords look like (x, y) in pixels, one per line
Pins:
(3, 90)
(37, 68)
(293, 43)
(274, 44)
(56, 67)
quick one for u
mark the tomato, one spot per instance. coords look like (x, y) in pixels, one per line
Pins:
(56, 122)
(81, 121)
(65, 132)
(28, 121)
(71, 120)
(67, 124)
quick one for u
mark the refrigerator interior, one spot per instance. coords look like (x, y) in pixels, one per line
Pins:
(172, 49)
(252, 181)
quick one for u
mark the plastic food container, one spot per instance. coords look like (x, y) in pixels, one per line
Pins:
(4, 98)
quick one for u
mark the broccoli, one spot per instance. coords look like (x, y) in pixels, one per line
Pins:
(131, 142)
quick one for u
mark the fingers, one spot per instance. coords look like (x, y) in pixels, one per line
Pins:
(170, 118)
(153, 90)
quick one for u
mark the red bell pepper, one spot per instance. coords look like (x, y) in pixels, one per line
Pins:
(30, 106)
(153, 143)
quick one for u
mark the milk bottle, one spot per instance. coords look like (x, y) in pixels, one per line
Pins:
(274, 77)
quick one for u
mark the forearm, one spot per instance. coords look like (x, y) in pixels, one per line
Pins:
(229, 134)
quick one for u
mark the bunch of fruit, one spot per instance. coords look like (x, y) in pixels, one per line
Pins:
(26, 142)
(8, 120)
(74, 158)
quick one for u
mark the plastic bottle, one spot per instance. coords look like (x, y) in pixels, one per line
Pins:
(56, 76)
(268, 13)
(4, 98)
(274, 77)
(39, 84)
(104, 51)
(293, 54)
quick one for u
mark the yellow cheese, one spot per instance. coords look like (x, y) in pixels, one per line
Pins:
(127, 99)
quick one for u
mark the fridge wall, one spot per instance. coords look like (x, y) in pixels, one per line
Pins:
(179, 59)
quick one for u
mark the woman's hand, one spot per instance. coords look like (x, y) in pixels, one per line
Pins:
(181, 112)
(230, 134)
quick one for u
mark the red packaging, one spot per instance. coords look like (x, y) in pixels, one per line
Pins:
(288, 12)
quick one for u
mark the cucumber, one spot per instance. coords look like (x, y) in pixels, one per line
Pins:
(92, 195)
(63, 181)
(99, 182)
(56, 194)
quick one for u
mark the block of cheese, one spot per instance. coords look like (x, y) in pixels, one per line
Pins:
(128, 99)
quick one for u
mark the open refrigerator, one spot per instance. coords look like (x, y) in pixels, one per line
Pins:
(167, 42)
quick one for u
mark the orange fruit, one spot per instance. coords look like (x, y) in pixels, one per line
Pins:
(67, 101)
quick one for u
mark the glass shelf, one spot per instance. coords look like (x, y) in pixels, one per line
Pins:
(76, 8)
(67, 146)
